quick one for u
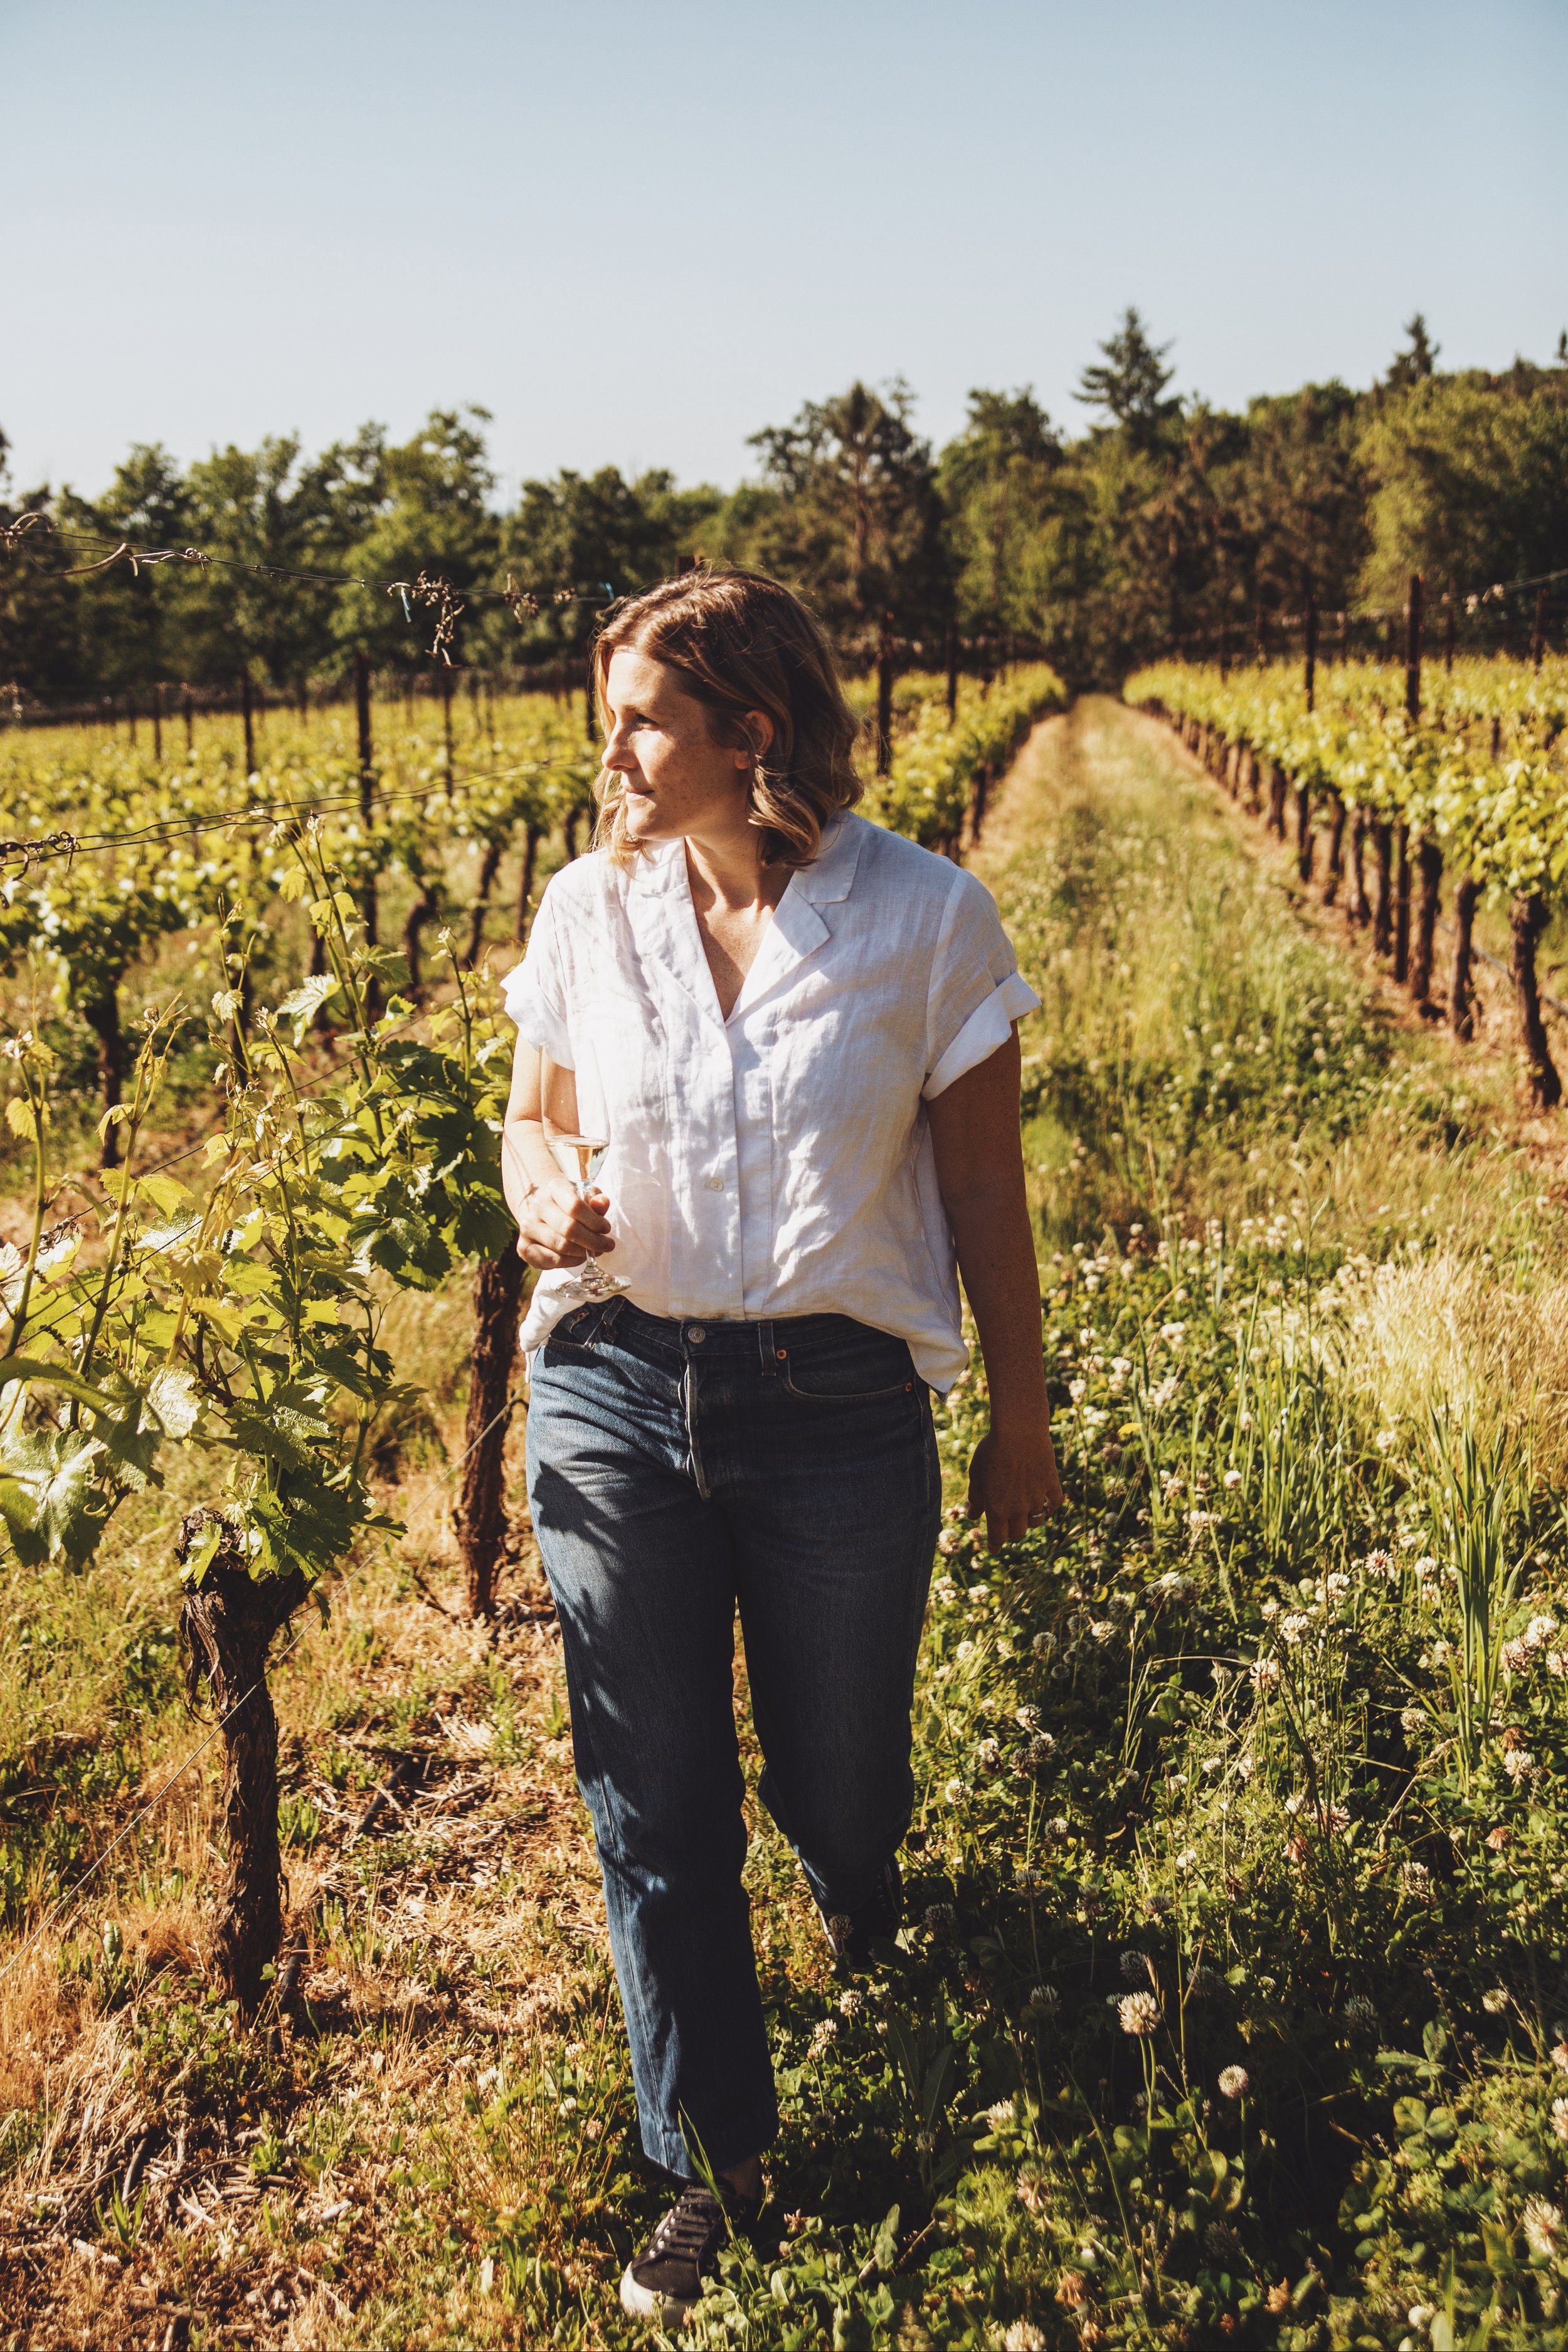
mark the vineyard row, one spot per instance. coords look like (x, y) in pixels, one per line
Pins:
(1463, 777)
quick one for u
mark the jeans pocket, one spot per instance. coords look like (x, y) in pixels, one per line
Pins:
(576, 1337)
(861, 1370)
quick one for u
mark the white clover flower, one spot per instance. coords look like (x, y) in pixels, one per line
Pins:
(1101, 1628)
(1495, 2001)
(989, 1754)
(1560, 2118)
(1036, 1756)
(1265, 1674)
(1560, 2057)
(1187, 1859)
(1516, 1657)
(1171, 1585)
(1233, 1478)
(851, 2003)
(1234, 2083)
(1293, 1804)
(1269, 1611)
(1337, 1582)
(1543, 2227)
(1028, 1880)
(1360, 2011)
(1204, 1983)
(1293, 1626)
(979, 1592)
(1027, 1718)
(1557, 1663)
(1159, 1397)
(1135, 1967)
(966, 1649)
(946, 1591)
(1411, 1720)
(1518, 1763)
(1024, 2337)
(1045, 1997)
(948, 1540)
(1539, 1631)
(941, 1918)
(824, 2035)
(1078, 1390)
(1043, 1644)
(1139, 2014)
(1379, 1563)
(1200, 1520)
(956, 1791)
(1422, 2315)
(1415, 1880)
(1426, 1568)
(1001, 2116)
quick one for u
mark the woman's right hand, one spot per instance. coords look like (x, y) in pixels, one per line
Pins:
(557, 1228)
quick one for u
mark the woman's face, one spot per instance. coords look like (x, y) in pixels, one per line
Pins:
(678, 781)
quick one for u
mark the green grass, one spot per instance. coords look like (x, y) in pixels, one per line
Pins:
(1256, 1747)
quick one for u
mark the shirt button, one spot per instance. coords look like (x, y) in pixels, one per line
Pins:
(696, 1333)
(715, 1183)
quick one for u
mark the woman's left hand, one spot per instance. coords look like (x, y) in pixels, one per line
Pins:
(1012, 1481)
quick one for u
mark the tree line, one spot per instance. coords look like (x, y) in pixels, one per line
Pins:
(1162, 524)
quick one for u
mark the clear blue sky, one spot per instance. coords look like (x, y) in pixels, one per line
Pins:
(638, 234)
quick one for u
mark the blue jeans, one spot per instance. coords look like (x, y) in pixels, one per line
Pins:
(674, 1470)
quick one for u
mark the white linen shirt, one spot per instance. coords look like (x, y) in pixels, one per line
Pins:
(780, 1162)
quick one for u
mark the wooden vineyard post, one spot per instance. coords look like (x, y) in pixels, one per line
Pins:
(1402, 909)
(247, 716)
(1336, 849)
(1413, 651)
(1304, 832)
(481, 1501)
(1383, 911)
(190, 722)
(1527, 920)
(1429, 863)
(1310, 678)
(532, 837)
(1537, 636)
(952, 650)
(158, 724)
(1462, 1003)
(131, 714)
(1360, 908)
(1450, 627)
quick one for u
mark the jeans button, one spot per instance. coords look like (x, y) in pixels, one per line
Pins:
(696, 1333)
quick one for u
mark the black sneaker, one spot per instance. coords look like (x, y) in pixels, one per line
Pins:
(665, 2280)
(875, 1921)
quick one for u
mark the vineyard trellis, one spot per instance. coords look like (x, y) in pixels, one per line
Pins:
(238, 1316)
(1458, 773)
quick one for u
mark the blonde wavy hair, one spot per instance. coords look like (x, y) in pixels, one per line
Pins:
(739, 643)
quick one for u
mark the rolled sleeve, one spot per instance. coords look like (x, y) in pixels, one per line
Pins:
(535, 996)
(976, 991)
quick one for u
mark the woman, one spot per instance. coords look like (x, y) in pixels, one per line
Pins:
(799, 1034)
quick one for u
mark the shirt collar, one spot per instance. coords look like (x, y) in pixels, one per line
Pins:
(832, 875)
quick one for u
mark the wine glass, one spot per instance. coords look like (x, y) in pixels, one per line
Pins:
(580, 1158)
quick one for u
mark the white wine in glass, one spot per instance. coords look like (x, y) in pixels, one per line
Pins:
(580, 1158)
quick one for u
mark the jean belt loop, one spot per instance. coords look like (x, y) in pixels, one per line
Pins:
(766, 1344)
